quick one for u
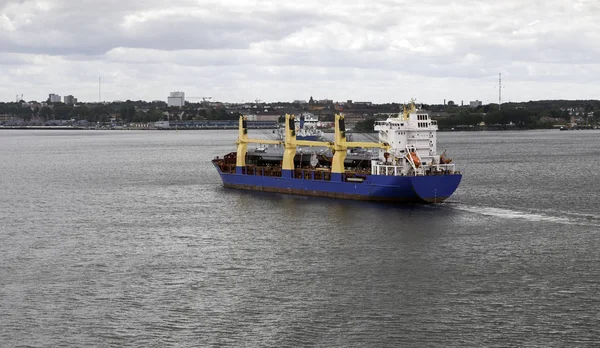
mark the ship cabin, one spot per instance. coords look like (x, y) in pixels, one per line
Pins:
(413, 146)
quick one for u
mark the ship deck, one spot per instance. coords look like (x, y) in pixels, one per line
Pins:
(227, 165)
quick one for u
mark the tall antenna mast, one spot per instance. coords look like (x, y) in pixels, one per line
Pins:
(99, 90)
(499, 91)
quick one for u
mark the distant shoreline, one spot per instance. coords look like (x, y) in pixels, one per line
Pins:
(48, 128)
(114, 129)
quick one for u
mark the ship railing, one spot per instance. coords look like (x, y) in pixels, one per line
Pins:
(384, 169)
(395, 170)
(437, 169)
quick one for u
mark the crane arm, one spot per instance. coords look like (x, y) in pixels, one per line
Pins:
(313, 143)
(263, 141)
(384, 146)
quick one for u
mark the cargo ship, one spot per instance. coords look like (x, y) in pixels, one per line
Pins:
(306, 128)
(404, 168)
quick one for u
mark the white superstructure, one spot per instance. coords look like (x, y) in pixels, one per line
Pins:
(306, 126)
(413, 146)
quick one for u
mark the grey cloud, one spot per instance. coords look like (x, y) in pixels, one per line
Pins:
(346, 44)
(92, 30)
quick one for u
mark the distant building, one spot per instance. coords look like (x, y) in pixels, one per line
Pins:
(475, 103)
(70, 100)
(176, 99)
(54, 98)
(267, 117)
(324, 101)
(262, 117)
(161, 124)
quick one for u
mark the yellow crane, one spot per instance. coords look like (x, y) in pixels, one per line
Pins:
(339, 146)
(243, 141)
(290, 143)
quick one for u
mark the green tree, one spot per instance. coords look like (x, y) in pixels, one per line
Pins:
(154, 115)
(61, 111)
(45, 112)
(127, 111)
(99, 113)
(493, 117)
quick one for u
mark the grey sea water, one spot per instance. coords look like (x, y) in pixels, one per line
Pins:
(125, 238)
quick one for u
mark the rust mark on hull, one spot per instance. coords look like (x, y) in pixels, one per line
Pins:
(337, 195)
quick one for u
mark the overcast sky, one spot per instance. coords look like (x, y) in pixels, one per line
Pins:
(235, 50)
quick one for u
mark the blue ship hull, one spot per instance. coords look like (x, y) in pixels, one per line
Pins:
(415, 189)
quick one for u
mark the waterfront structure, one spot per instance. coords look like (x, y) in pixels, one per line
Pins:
(176, 99)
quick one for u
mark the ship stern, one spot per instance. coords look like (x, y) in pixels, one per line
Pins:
(435, 188)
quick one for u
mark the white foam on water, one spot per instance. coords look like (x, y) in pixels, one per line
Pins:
(573, 219)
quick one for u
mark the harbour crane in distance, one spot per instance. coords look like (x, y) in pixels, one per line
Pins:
(204, 99)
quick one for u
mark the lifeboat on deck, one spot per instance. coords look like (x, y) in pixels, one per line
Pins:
(414, 158)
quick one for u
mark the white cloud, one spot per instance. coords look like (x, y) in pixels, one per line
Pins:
(284, 50)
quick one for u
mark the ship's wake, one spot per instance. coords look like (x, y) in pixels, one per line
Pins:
(548, 216)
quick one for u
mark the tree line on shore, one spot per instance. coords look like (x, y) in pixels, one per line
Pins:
(126, 112)
(532, 114)
(527, 115)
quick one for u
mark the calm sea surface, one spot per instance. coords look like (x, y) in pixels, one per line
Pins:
(127, 238)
